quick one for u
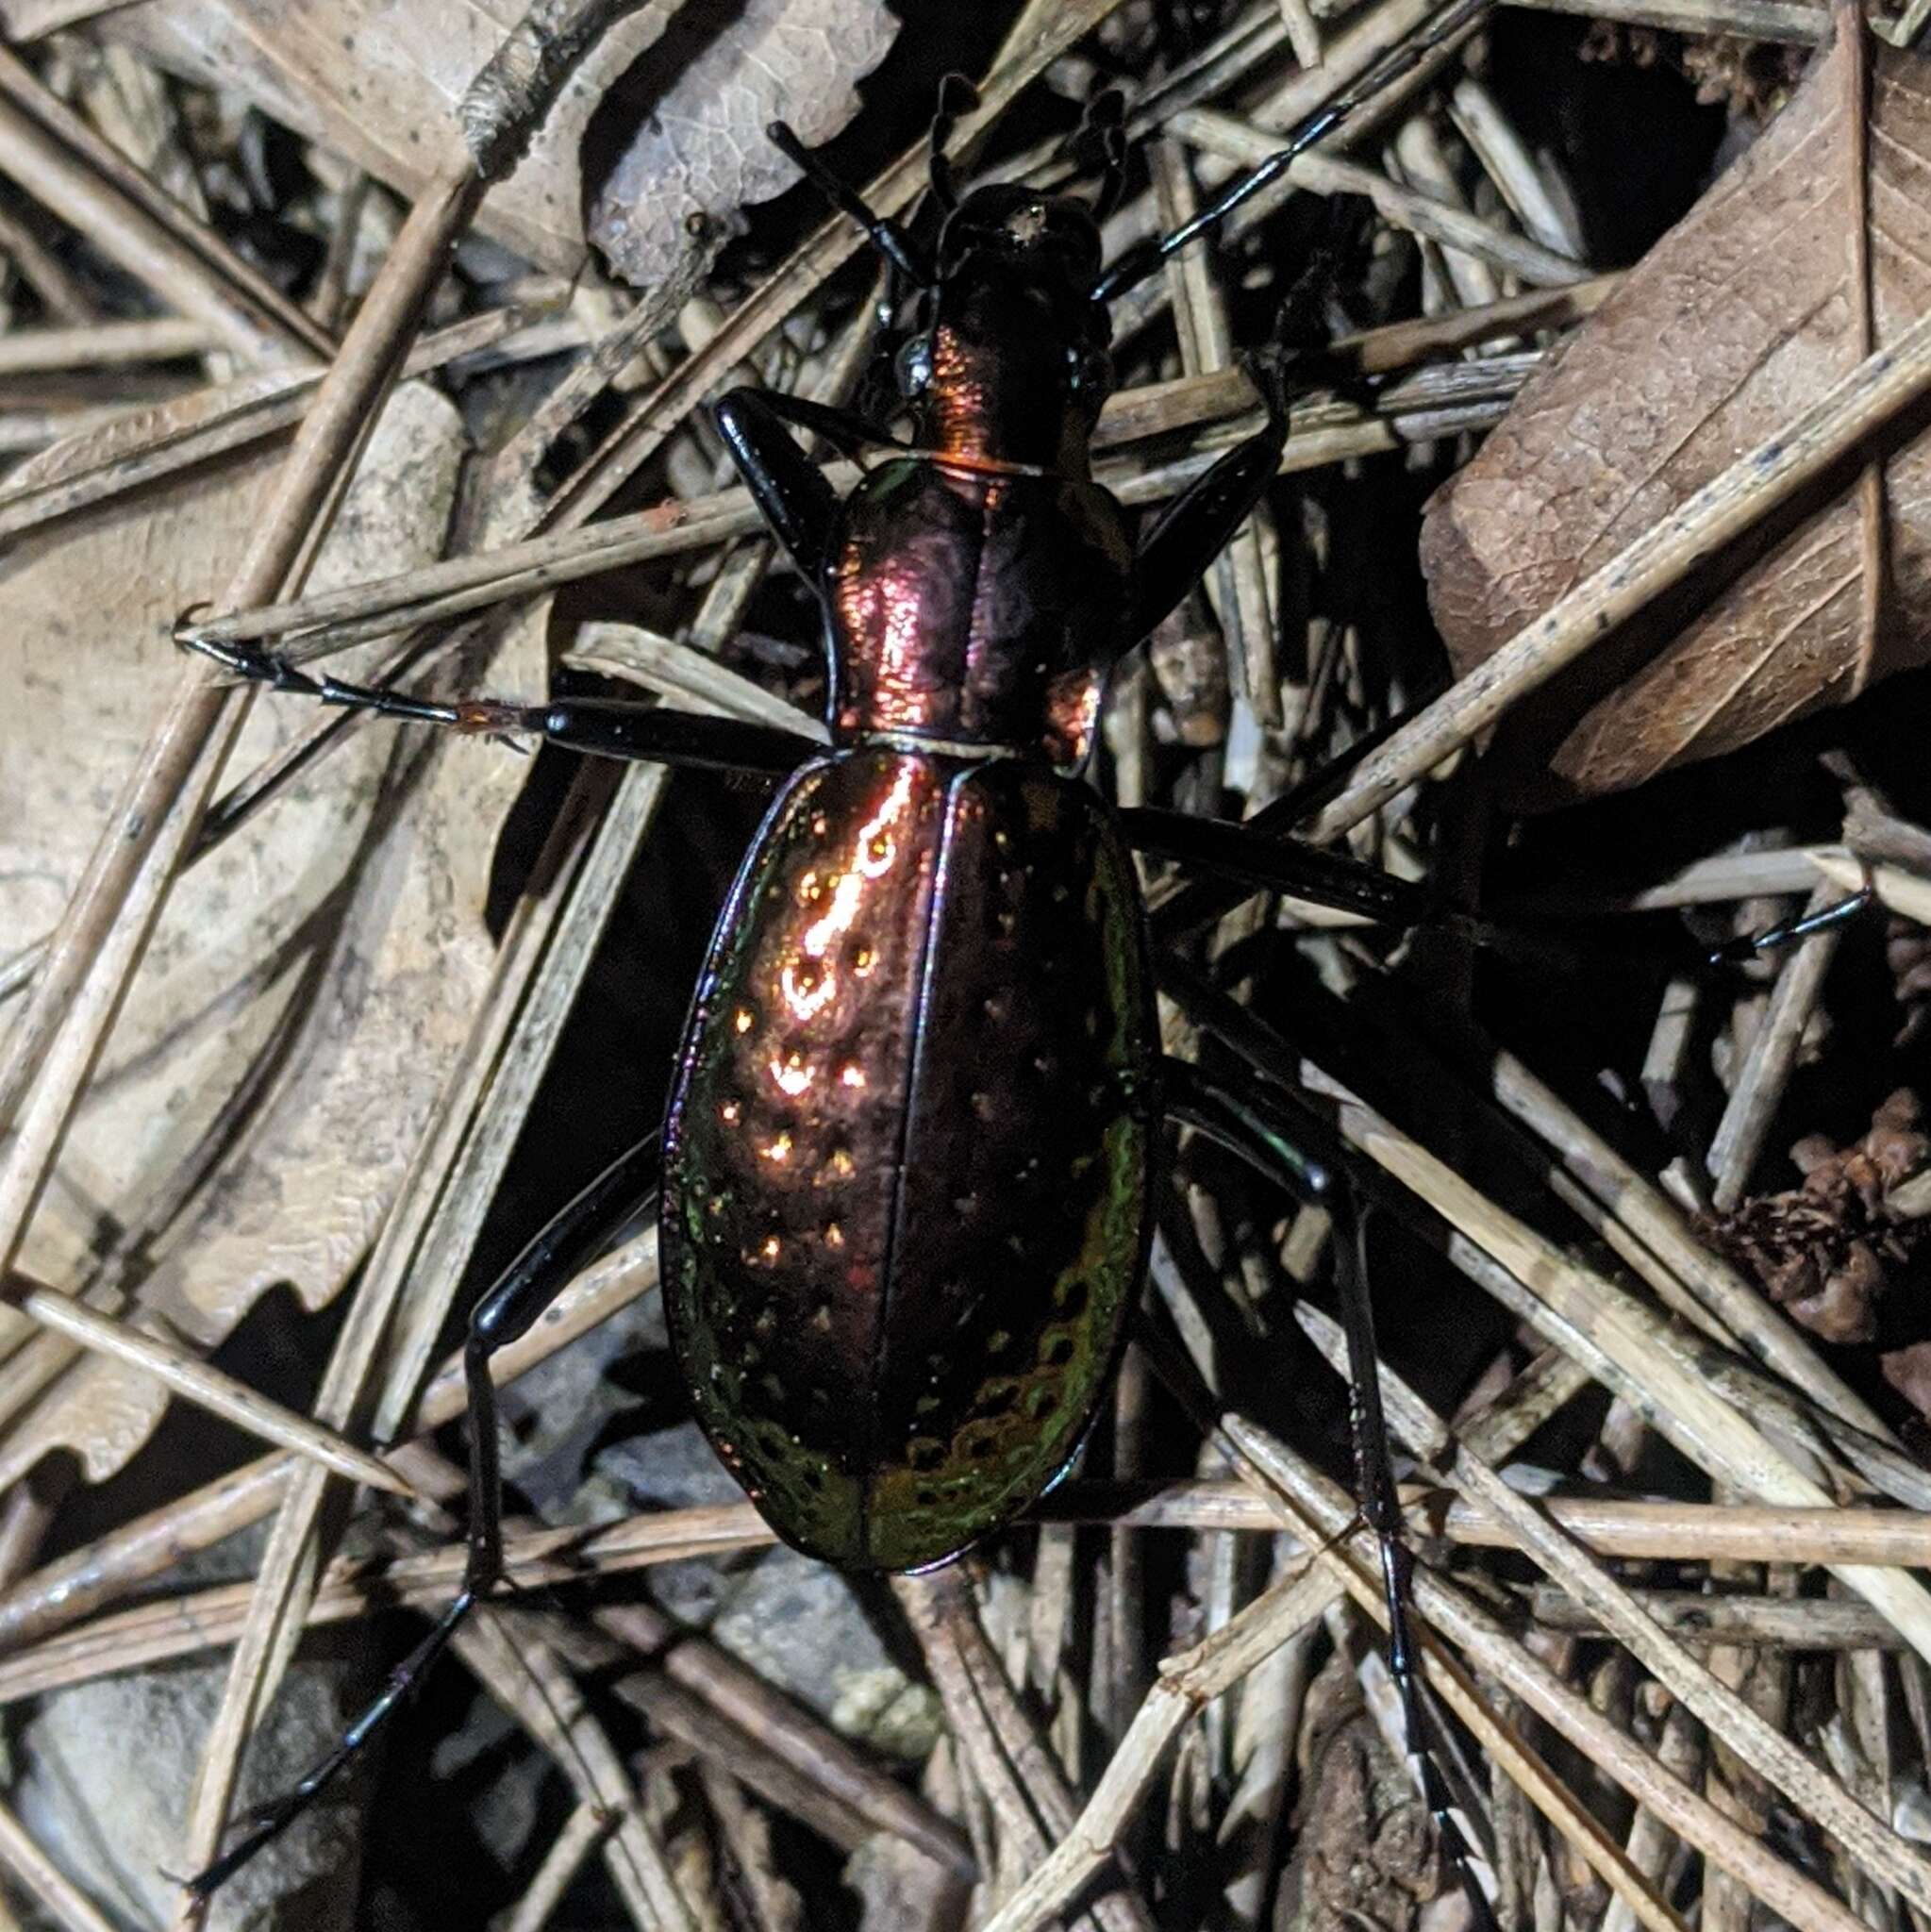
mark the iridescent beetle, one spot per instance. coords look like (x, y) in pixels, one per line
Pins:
(906, 1172)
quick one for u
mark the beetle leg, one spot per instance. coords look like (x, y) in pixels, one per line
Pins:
(1176, 549)
(1289, 1143)
(606, 727)
(1839, 912)
(510, 1308)
(790, 488)
(1273, 864)
(1257, 860)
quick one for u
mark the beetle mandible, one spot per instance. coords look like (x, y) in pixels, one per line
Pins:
(906, 1174)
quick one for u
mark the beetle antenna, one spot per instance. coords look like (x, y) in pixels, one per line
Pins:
(1137, 263)
(883, 233)
(958, 98)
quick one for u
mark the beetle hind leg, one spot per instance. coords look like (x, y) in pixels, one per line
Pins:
(623, 1190)
(1290, 1143)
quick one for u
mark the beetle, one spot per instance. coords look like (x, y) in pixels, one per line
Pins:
(906, 1178)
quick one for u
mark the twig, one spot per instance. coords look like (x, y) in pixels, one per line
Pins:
(1766, 1069)
(538, 966)
(1206, 344)
(807, 1746)
(773, 1904)
(103, 935)
(583, 1830)
(235, 416)
(350, 1588)
(49, 277)
(431, 1200)
(184, 1371)
(44, 1882)
(1650, 1841)
(525, 1676)
(1589, 1317)
(1479, 119)
(1742, 875)
(1417, 161)
(52, 152)
(1654, 1223)
(1403, 207)
(1322, 433)
(1794, 22)
(1448, 1610)
(673, 1712)
(1780, 1622)
(102, 1571)
(111, 344)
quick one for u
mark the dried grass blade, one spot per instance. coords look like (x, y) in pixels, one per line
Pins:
(1655, 1222)
(91, 185)
(362, 375)
(1574, 1304)
(103, 936)
(532, 1685)
(44, 1882)
(1322, 1511)
(260, 405)
(539, 965)
(1815, 1795)
(582, 1831)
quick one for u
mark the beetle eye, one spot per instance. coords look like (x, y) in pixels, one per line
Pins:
(913, 366)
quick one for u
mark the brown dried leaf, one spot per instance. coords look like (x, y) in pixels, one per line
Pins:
(1831, 1250)
(380, 83)
(1747, 311)
(310, 983)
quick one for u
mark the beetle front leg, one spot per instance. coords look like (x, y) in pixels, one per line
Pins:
(1290, 1144)
(1180, 546)
(528, 1286)
(790, 488)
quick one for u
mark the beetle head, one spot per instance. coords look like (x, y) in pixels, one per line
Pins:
(1012, 359)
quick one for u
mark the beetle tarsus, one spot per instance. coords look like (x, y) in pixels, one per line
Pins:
(1793, 931)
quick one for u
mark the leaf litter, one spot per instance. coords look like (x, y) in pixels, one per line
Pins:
(241, 1131)
(275, 1067)
(376, 83)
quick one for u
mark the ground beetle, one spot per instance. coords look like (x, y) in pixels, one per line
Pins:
(906, 1177)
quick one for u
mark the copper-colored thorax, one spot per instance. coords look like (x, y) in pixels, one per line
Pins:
(977, 609)
(1004, 387)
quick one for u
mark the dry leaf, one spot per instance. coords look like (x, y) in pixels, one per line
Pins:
(312, 982)
(1832, 1250)
(703, 152)
(380, 83)
(1747, 311)
(102, 1409)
